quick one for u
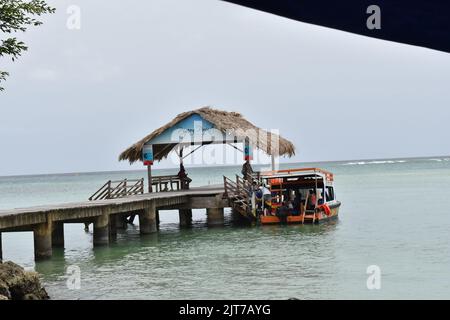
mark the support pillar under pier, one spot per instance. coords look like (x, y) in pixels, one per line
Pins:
(185, 217)
(157, 219)
(43, 241)
(147, 219)
(101, 230)
(215, 216)
(121, 221)
(1, 252)
(113, 228)
(58, 235)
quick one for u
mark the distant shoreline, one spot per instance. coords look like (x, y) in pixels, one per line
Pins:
(214, 166)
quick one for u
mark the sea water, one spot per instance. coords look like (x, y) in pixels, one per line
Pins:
(394, 217)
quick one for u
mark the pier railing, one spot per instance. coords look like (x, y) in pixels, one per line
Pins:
(169, 183)
(237, 193)
(119, 189)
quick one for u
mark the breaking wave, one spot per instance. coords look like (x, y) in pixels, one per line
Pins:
(439, 159)
(360, 163)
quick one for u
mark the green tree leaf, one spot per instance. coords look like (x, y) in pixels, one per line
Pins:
(17, 16)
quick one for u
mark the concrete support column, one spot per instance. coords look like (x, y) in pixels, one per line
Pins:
(157, 219)
(43, 241)
(215, 216)
(58, 235)
(147, 219)
(1, 252)
(185, 218)
(121, 222)
(113, 228)
(101, 230)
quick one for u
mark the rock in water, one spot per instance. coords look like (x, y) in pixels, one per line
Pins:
(18, 284)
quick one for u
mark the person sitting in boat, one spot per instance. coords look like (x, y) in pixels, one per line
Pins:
(296, 204)
(284, 211)
(312, 200)
(320, 199)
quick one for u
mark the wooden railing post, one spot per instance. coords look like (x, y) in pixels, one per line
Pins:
(109, 189)
(149, 176)
(123, 188)
(225, 184)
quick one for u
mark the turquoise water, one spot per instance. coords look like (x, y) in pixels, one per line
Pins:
(394, 215)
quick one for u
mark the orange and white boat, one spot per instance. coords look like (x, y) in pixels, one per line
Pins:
(298, 196)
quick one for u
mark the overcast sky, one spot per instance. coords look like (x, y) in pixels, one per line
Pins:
(78, 98)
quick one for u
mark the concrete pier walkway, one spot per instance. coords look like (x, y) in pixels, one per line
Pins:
(47, 222)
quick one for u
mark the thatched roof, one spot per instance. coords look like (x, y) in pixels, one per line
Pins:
(223, 121)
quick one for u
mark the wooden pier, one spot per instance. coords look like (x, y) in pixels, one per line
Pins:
(115, 201)
(47, 222)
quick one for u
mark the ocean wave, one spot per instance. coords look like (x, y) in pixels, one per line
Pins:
(439, 159)
(360, 163)
(354, 163)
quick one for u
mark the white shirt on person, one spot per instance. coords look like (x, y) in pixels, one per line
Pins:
(265, 191)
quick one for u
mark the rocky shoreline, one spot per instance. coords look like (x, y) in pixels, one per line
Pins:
(18, 284)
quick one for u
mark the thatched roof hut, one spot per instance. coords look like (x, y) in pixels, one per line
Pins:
(270, 143)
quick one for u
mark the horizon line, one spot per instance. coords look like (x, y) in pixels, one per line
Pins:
(213, 166)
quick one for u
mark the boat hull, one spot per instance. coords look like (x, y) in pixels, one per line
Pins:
(318, 217)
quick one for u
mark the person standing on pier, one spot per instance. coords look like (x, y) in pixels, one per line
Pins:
(185, 180)
(247, 171)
